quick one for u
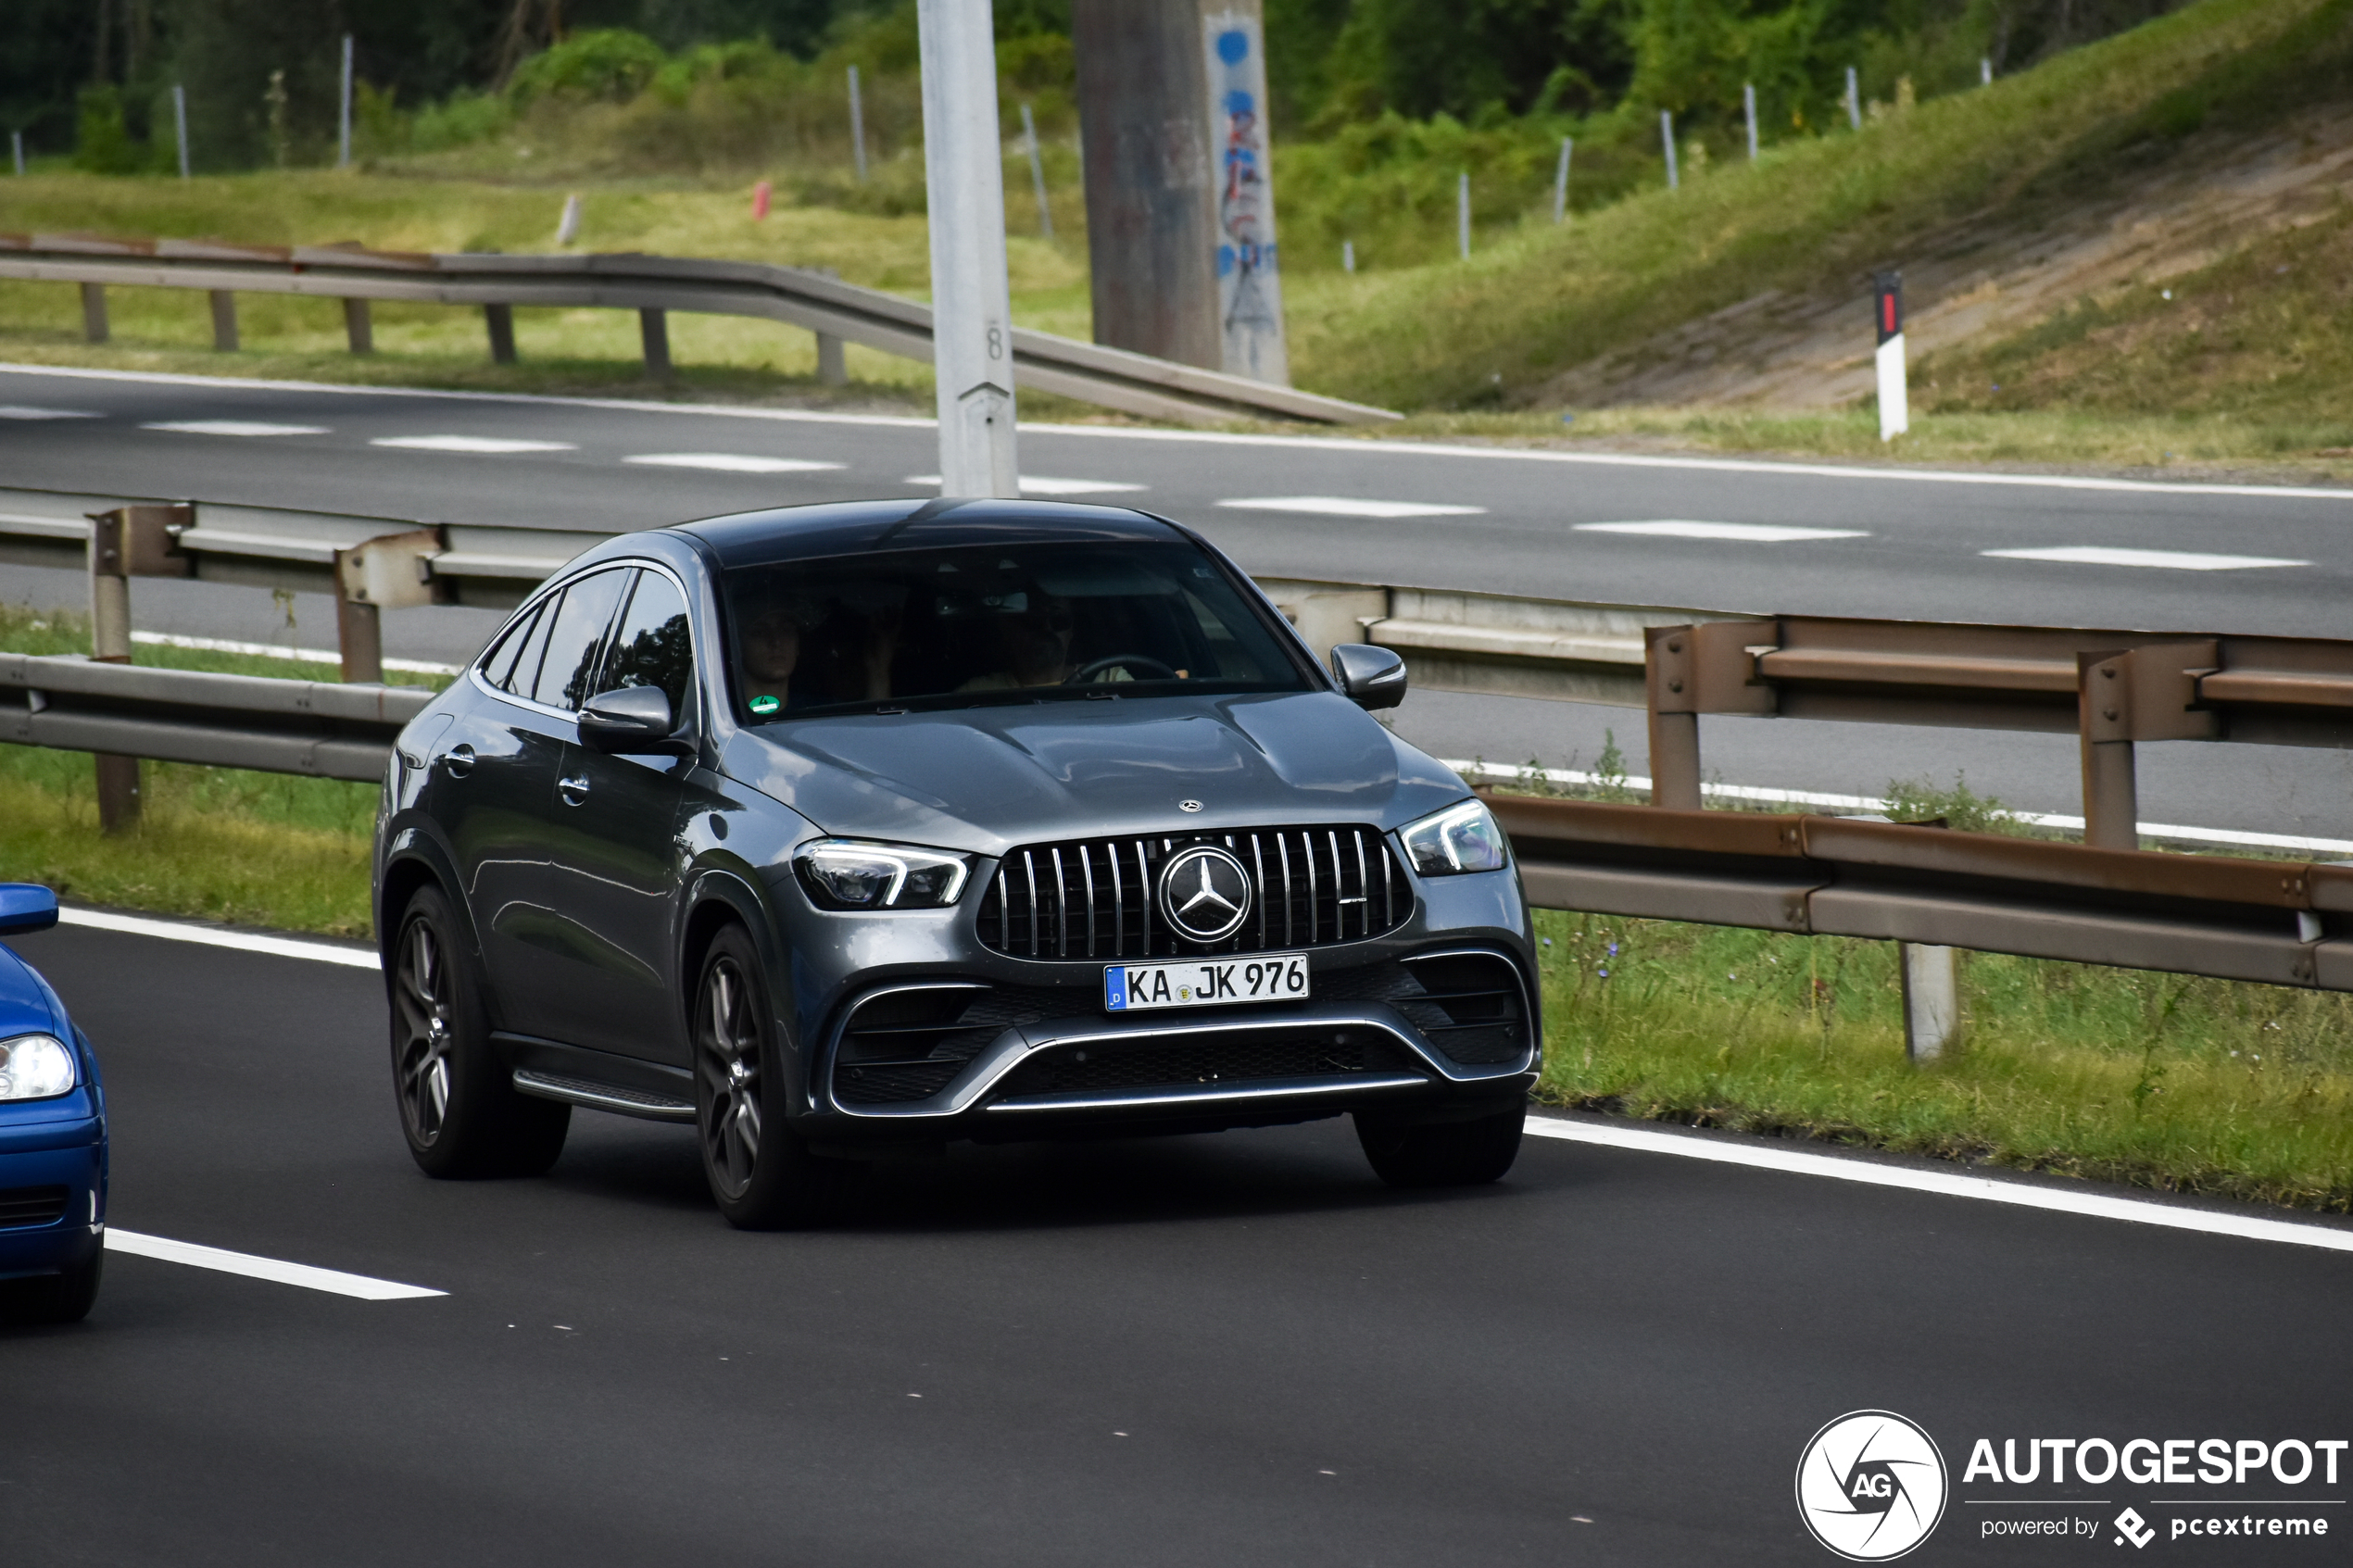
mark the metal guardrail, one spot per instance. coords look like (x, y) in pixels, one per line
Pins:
(652, 285)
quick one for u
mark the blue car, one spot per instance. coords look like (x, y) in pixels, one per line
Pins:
(52, 1137)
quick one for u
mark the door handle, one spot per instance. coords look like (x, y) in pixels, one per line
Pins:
(574, 791)
(459, 761)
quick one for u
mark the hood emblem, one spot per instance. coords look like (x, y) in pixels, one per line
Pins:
(1189, 805)
(1204, 893)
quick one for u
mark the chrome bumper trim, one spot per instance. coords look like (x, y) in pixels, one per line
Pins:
(1270, 1088)
(602, 1097)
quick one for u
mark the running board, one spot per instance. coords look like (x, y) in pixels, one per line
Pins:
(603, 1096)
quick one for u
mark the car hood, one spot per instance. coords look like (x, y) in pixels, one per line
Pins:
(985, 779)
(26, 1002)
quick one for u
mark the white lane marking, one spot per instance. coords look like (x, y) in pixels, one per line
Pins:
(20, 411)
(730, 462)
(2167, 560)
(1223, 438)
(216, 937)
(494, 445)
(1039, 485)
(199, 1256)
(1747, 533)
(272, 650)
(1871, 803)
(233, 427)
(2093, 1205)
(1344, 506)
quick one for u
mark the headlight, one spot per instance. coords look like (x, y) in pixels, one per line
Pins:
(34, 1067)
(1460, 838)
(842, 873)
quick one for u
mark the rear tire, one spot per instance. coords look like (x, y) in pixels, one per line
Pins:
(762, 1173)
(66, 1296)
(458, 1108)
(1442, 1154)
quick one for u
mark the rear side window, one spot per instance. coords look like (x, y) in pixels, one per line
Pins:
(653, 647)
(513, 664)
(575, 639)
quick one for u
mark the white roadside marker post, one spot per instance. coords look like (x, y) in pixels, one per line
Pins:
(1932, 1001)
(1348, 256)
(16, 146)
(971, 295)
(1667, 139)
(1036, 173)
(1853, 101)
(1887, 314)
(180, 124)
(857, 127)
(1560, 181)
(1748, 102)
(568, 226)
(1462, 213)
(343, 120)
(1984, 71)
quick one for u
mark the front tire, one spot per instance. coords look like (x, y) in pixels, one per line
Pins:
(762, 1173)
(458, 1108)
(1442, 1154)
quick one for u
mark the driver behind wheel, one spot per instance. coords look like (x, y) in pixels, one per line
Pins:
(1030, 632)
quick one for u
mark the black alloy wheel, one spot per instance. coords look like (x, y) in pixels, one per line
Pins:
(458, 1108)
(1442, 1154)
(762, 1173)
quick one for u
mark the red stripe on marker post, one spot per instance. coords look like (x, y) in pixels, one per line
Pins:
(1894, 408)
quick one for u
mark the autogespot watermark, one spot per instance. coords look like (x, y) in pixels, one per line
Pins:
(1871, 1486)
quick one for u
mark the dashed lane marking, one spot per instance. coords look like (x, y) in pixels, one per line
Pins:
(1744, 532)
(220, 937)
(495, 446)
(1042, 484)
(730, 462)
(233, 427)
(2167, 560)
(333, 1281)
(1344, 506)
(2024, 1195)
(20, 411)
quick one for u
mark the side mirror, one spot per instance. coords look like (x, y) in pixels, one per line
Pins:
(631, 721)
(26, 906)
(1369, 676)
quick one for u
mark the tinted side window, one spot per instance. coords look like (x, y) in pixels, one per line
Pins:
(653, 648)
(498, 666)
(576, 638)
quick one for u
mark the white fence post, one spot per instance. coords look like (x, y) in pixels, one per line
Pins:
(1853, 101)
(1462, 213)
(343, 121)
(16, 146)
(1667, 137)
(971, 299)
(568, 226)
(1036, 173)
(857, 127)
(1348, 256)
(1560, 181)
(1748, 101)
(180, 124)
(1984, 71)
(1887, 315)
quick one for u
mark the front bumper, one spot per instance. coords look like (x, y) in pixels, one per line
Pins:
(53, 1193)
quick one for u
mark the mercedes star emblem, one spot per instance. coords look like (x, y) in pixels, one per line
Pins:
(1204, 893)
(1189, 805)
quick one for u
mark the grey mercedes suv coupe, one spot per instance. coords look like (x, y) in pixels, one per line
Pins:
(831, 830)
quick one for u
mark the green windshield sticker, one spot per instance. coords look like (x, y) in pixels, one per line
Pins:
(764, 705)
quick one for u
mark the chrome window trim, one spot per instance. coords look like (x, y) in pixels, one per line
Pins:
(549, 591)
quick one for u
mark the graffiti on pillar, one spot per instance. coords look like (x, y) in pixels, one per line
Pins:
(1250, 293)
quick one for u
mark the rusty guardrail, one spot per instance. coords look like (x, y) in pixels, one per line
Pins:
(651, 286)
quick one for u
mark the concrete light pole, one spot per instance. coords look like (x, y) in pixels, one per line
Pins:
(971, 296)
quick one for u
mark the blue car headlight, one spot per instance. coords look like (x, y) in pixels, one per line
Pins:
(1461, 838)
(845, 874)
(35, 1067)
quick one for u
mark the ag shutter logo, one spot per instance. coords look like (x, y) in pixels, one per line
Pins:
(1871, 1486)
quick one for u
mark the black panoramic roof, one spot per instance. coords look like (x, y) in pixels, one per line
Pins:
(856, 527)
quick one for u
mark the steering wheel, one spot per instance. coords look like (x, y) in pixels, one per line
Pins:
(1135, 664)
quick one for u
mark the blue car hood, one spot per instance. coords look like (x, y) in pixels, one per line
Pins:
(26, 1002)
(985, 779)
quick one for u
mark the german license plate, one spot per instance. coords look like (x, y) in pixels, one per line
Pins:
(1199, 982)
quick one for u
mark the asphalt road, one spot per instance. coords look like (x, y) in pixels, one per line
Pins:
(1236, 1350)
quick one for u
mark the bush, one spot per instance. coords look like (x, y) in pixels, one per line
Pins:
(102, 141)
(603, 64)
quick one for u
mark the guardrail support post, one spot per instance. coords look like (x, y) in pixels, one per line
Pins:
(2104, 716)
(224, 321)
(93, 312)
(358, 326)
(1668, 668)
(360, 635)
(394, 572)
(1932, 1001)
(127, 540)
(833, 370)
(500, 319)
(653, 332)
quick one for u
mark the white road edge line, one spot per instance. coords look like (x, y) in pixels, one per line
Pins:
(214, 937)
(2092, 1205)
(274, 651)
(1297, 443)
(333, 1281)
(1469, 768)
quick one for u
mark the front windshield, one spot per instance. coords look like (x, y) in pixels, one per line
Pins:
(946, 627)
